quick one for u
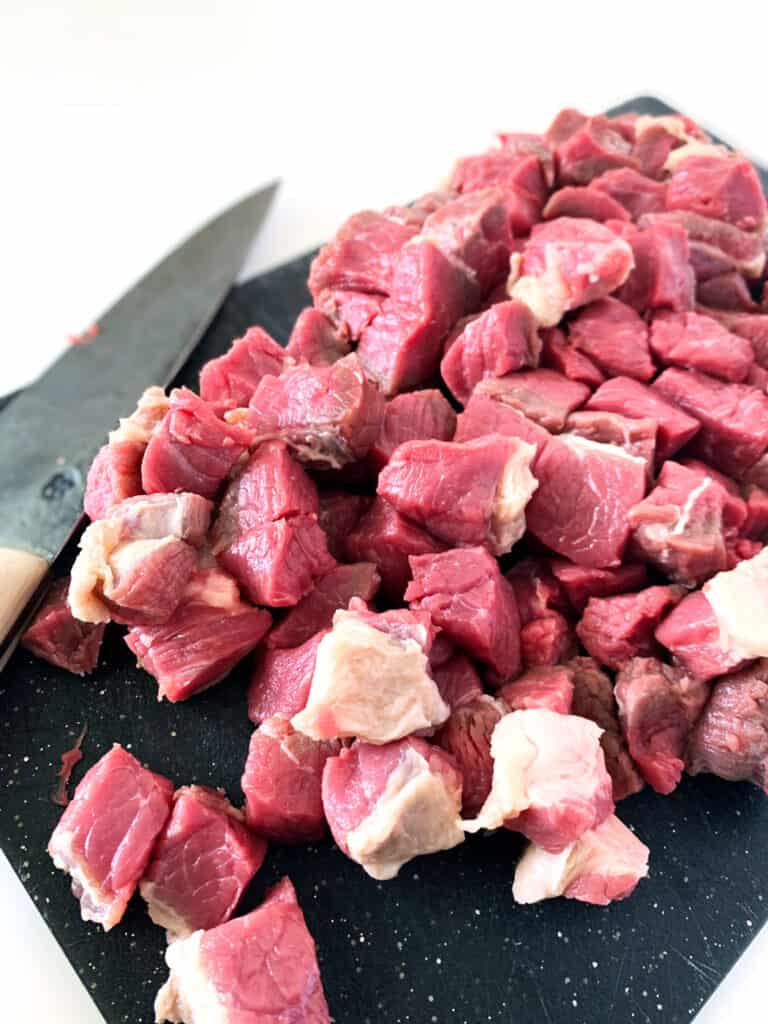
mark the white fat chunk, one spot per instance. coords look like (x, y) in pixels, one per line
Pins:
(161, 515)
(369, 684)
(583, 446)
(693, 148)
(416, 814)
(188, 997)
(92, 569)
(141, 424)
(514, 491)
(739, 599)
(547, 296)
(671, 123)
(95, 904)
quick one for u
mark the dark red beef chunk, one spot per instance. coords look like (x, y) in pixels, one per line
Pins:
(57, 637)
(727, 291)
(281, 680)
(580, 201)
(692, 634)
(115, 475)
(315, 340)
(637, 401)
(621, 627)
(339, 515)
(594, 147)
(457, 679)
(697, 342)
(724, 187)
(663, 277)
(414, 416)
(234, 376)
(559, 354)
(579, 583)
(615, 337)
(546, 641)
(756, 523)
(537, 592)
(637, 193)
(466, 736)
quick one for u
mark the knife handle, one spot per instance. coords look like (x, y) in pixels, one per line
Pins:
(21, 573)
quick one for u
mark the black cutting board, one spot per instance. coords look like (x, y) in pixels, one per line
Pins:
(444, 941)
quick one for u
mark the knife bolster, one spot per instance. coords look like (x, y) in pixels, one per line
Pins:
(21, 573)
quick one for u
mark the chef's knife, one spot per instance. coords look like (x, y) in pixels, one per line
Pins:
(50, 432)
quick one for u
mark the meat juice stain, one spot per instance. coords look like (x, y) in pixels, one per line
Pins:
(69, 759)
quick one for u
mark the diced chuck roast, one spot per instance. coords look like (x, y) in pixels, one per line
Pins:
(715, 246)
(616, 629)
(234, 376)
(415, 416)
(581, 201)
(115, 475)
(507, 166)
(663, 277)
(725, 187)
(727, 291)
(456, 678)
(691, 633)
(615, 337)
(559, 354)
(594, 146)
(697, 342)
(579, 582)
(636, 192)
(315, 340)
(548, 687)
(56, 636)
(467, 737)
(543, 396)
(281, 680)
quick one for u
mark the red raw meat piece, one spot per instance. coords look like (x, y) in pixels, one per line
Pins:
(281, 680)
(579, 201)
(201, 864)
(715, 246)
(549, 687)
(192, 449)
(621, 627)
(456, 679)
(466, 736)
(281, 782)
(557, 354)
(537, 592)
(656, 137)
(615, 337)
(545, 397)
(546, 640)
(329, 415)
(415, 416)
(635, 436)
(350, 311)
(208, 634)
(466, 595)
(499, 341)
(115, 474)
(57, 637)
(692, 633)
(752, 326)
(637, 401)
(579, 583)
(663, 277)
(105, 836)
(756, 523)
(339, 515)
(698, 342)
(658, 707)
(637, 193)
(723, 187)
(387, 539)
(534, 145)
(484, 415)
(314, 340)
(581, 507)
(418, 211)
(403, 623)
(505, 168)
(731, 736)
(257, 969)
(593, 698)
(727, 291)
(234, 376)
(566, 122)
(594, 147)
(401, 347)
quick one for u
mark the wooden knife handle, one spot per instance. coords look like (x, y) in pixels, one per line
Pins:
(21, 573)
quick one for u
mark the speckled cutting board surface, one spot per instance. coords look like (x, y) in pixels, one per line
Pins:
(443, 942)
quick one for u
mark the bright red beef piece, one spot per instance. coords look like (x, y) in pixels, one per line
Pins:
(618, 628)
(202, 863)
(728, 291)
(700, 343)
(546, 640)
(663, 277)
(637, 193)
(415, 416)
(466, 736)
(692, 634)
(635, 437)
(594, 147)
(532, 145)
(579, 201)
(104, 838)
(486, 415)
(724, 187)
(579, 582)
(504, 167)
(558, 354)
(615, 337)
(456, 678)
(281, 680)
(115, 474)
(545, 397)
(716, 247)
(549, 687)
(57, 637)
(314, 340)
(234, 376)
(351, 312)
(339, 515)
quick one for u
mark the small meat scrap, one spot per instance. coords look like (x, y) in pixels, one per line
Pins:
(615, 337)
(619, 628)
(549, 778)
(593, 698)
(389, 804)
(69, 760)
(339, 514)
(543, 396)
(281, 782)
(499, 341)
(56, 636)
(581, 507)
(105, 836)
(193, 449)
(731, 736)
(567, 263)
(470, 493)
(603, 865)
(466, 596)
(234, 376)
(202, 862)
(328, 415)
(456, 678)
(281, 680)
(261, 967)
(579, 582)
(595, 146)
(739, 601)
(208, 634)
(724, 186)
(115, 474)
(558, 354)
(466, 736)
(415, 416)
(371, 680)
(697, 342)
(636, 192)
(658, 707)
(582, 201)
(316, 340)
(549, 687)
(691, 633)
(636, 436)
(663, 276)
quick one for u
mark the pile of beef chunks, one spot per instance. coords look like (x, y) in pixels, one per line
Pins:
(490, 525)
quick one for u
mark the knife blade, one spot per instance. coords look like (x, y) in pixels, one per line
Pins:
(51, 431)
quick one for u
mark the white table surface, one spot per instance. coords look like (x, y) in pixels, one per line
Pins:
(125, 125)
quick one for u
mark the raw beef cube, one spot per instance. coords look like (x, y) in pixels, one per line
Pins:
(105, 836)
(615, 337)
(314, 340)
(549, 778)
(579, 582)
(593, 698)
(329, 415)
(751, 326)
(658, 707)
(656, 137)
(351, 312)
(202, 863)
(401, 623)
(503, 167)
(546, 640)
(537, 592)
(485, 415)
(756, 523)
(281, 782)
(370, 683)
(579, 201)
(603, 865)
(565, 264)
(258, 969)
(700, 343)
(715, 246)
(739, 601)
(533, 145)
(727, 291)
(636, 436)
(387, 539)
(632, 399)
(549, 687)
(339, 515)
(57, 637)
(581, 507)
(456, 679)
(208, 634)
(234, 376)
(731, 736)
(401, 347)
(466, 736)
(566, 122)
(596, 146)
(471, 493)
(115, 474)
(663, 277)
(692, 634)
(144, 420)
(499, 341)
(616, 629)
(415, 416)
(387, 805)
(545, 397)
(192, 449)
(733, 417)
(558, 354)
(281, 680)
(467, 597)
(723, 187)
(637, 193)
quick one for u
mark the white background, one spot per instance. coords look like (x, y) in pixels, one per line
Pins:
(125, 125)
